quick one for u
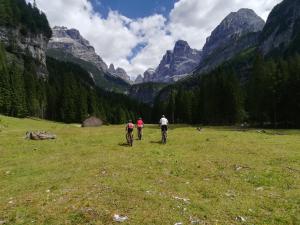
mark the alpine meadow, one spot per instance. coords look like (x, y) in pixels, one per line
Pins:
(194, 120)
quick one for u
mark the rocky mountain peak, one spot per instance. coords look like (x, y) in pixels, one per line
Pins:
(234, 26)
(149, 75)
(139, 79)
(119, 72)
(175, 64)
(111, 68)
(282, 28)
(70, 41)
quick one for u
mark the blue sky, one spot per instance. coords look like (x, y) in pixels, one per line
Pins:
(134, 8)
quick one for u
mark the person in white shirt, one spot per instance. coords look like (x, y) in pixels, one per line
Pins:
(164, 123)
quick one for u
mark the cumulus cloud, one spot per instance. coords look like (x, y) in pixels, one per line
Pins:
(116, 37)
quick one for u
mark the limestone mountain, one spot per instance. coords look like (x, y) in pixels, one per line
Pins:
(70, 41)
(175, 64)
(68, 45)
(238, 31)
(149, 75)
(118, 72)
(282, 29)
(139, 79)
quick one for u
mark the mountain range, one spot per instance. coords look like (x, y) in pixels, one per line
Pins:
(237, 32)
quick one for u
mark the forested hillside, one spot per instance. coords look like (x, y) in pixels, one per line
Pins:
(19, 14)
(270, 96)
(72, 95)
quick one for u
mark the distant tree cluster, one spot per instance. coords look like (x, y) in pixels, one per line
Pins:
(28, 18)
(271, 96)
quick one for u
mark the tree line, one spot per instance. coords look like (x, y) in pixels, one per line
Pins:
(269, 97)
(23, 16)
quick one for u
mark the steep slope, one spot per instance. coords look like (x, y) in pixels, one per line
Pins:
(70, 41)
(24, 34)
(145, 92)
(282, 28)
(118, 72)
(149, 75)
(139, 79)
(103, 80)
(68, 45)
(237, 32)
(175, 64)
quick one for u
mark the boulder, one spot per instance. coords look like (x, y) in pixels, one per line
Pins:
(92, 122)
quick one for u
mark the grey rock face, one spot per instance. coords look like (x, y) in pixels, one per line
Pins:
(119, 72)
(282, 26)
(34, 45)
(70, 41)
(237, 32)
(234, 26)
(149, 75)
(139, 79)
(177, 64)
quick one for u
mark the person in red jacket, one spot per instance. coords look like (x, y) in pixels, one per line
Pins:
(140, 125)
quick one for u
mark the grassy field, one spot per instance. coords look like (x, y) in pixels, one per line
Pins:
(85, 176)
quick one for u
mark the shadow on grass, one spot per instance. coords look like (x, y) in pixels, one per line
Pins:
(155, 142)
(170, 127)
(124, 145)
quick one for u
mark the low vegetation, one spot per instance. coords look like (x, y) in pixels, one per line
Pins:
(218, 175)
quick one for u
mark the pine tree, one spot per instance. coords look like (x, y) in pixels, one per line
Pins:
(5, 91)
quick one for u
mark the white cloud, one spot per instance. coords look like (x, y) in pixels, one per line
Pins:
(116, 36)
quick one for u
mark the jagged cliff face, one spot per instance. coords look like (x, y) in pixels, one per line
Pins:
(234, 26)
(139, 79)
(175, 64)
(70, 41)
(27, 45)
(119, 72)
(282, 27)
(237, 32)
(149, 75)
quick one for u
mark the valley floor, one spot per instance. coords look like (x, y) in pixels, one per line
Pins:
(85, 176)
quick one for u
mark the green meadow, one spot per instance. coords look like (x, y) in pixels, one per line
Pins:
(220, 175)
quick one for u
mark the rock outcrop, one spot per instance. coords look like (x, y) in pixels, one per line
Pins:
(282, 27)
(234, 26)
(237, 32)
(30, 45)
(119, 72)
(176, 64)
(70, 41)
(149, 75)
(139, 79)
